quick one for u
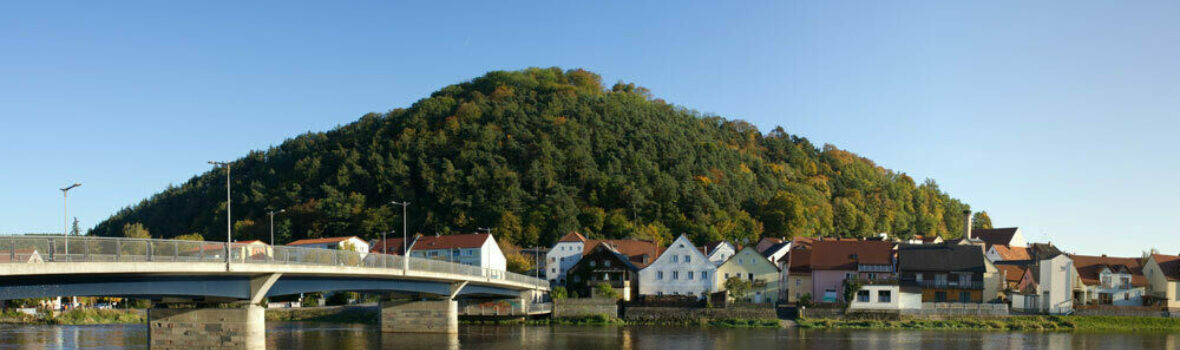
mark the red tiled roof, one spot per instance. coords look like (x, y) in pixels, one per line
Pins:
(1170, 264)
(1012, 273)
(1012, 253)
(572, 237)
(800, 259)
(1090, 268)
(635, 250)
(846, 255)
(471, 240)
(321, 240)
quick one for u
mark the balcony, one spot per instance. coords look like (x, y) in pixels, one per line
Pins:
(951, 284)
(874, 281)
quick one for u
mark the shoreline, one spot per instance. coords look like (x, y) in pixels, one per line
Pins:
(1071, 324)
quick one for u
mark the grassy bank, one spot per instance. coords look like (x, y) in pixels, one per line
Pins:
(76, 317)
(350, 314)
(604, 320)
(1012, 323)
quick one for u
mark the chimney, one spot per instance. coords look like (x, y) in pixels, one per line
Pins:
(967, 224)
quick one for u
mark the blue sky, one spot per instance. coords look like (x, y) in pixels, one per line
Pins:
(1059, 118)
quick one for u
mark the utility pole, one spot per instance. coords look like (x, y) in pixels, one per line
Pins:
(229, 228)
(272, 224)
(405, 237)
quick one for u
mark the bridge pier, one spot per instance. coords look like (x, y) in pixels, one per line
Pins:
(207, 328)
(420, 316)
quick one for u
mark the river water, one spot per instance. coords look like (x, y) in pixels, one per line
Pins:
(295, 335)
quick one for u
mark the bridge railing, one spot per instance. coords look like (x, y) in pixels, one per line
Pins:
(34, 249)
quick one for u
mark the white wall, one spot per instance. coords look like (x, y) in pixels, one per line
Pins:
(672, 264)
(491, 257)
(875, 303)
(1057, 276)
(561, 258)
(722, 252)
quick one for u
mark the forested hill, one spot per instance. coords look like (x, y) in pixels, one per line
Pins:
(537, 153)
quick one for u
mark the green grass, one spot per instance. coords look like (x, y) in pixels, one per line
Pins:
(76, 317)
(1012, 323)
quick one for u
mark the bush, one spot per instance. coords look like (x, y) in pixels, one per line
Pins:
(605, 290)
(558, 293)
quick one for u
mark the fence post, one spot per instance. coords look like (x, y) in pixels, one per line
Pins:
(52, 249)
(149, 249)
(118, 249)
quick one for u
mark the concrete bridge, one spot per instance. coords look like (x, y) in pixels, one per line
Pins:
(221, 286)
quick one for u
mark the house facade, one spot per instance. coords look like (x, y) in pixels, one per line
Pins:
(1103, 280)
(835, 262)
(749, 265)
(353, 243)
(718, 252)
(681, 269)
(476, 249)
(1163, 279)
(795, 275)
(563, 256)
(604, 264)
(1046, 287)
(949, 272)
(886, 296)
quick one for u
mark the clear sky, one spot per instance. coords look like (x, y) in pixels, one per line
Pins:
(1060, 118)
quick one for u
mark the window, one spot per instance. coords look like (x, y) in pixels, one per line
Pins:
(659, 275)
(849, 275)
(884, 296)
(675, 275)
(552, 259)
(797, 281)
(592, 264)
(681, 245)
(751, 277)
(964, 297)
(690, 275)
(659, 293)
(704, 275)
(727, 276)
(741, 261)
(675, 258)
(918, 277)
(862, 296)
(606, 263)
(940, 297)
(688, 258)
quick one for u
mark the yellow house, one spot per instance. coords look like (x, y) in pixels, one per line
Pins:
(1163, 278)
(748, 265)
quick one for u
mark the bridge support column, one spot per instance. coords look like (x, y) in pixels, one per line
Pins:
(420, 316)
(207, 328)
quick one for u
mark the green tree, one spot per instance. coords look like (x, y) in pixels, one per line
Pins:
(75, 230)
(603, 289)
(190, 237)
(135, 230)
(558, 293)
(738, 287)
(980, 220)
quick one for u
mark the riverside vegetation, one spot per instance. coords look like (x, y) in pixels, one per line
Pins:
(1010, 323)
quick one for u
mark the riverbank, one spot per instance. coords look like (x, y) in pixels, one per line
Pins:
(604, 320)
(1011, 323)
(77, 317)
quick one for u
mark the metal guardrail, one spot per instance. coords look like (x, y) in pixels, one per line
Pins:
(36, 249)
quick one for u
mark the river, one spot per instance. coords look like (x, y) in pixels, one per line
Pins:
(295, 335)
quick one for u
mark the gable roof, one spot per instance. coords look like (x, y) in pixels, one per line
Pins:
(324, 240)
(775, 248)
(640, 253)
(608, 250)
(1090, 268)
(469, 240)
(1011, 272)
(754, 252)
(766, 242)
(572, 237)
(994, 235)
(711, 247)
(1007, 252)
(800, 260)
(1170, 264)
(847, 255)
(941, 258)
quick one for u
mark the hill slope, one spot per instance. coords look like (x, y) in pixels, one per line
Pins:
(541, 152)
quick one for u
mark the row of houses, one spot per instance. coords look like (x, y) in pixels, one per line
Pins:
(987, 266)
(476, 249)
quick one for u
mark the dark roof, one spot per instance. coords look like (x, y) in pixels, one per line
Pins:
(610, 251)
(774, 248)
(1170, 264)
(994, 235)
(766, 243)
(941, 258)
(640, 253)
(845, 255)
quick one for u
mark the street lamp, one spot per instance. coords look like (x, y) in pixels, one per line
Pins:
(65, 213)
(65, 208)
(405, 236)
(272, 223)
(228, 207)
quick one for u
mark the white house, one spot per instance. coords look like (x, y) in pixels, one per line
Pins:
(476, 249)
(563, 256)
(1104, 280)
(776, 251)
(1047, 287)
(352, 243)
(719, 251)
(680, 270)
(886, 297)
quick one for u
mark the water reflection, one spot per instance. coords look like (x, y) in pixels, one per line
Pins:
(351, 336)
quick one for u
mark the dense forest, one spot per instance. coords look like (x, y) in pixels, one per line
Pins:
(537, 153)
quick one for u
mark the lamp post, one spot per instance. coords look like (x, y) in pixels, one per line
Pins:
(272, 224)
(65, 213)
(405, 237)
(228, 209)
